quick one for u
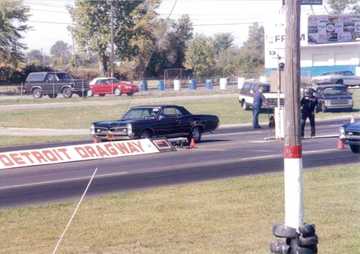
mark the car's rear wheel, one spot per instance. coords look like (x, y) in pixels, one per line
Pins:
(117, 92)
(66, 92)
(146, 134)
(196, 134)
(355, 148)
(37, 93)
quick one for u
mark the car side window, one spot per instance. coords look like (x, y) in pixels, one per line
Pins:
(171, 112)
(51, 78)
(98, 82)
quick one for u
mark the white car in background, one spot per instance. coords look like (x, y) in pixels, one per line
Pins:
(347, 78)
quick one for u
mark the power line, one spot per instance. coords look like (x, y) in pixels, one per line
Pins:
(172, 9)
(204, 24)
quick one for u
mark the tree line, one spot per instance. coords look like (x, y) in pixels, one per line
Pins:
(144, 44)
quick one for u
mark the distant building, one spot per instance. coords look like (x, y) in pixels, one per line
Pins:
(328, 43)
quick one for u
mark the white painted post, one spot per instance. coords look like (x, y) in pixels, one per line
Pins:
(294, 196)
(223, 83)
(177, 85)
(279, 122)
(241, 81)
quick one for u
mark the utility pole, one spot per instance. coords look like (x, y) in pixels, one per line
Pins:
(112, 38)
(294, 204)
(300, 238)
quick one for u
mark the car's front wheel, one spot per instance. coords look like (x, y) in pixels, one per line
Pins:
(37, 93)
(195, 134)
(66, 92)
(146, 134)
(355, 148)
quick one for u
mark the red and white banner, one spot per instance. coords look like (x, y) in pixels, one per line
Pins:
(55, 155)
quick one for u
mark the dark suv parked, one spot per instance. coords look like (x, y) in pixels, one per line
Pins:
(54, 83)
(333, 97)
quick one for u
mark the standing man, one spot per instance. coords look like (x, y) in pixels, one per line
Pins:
(308, 106)
(258, 100)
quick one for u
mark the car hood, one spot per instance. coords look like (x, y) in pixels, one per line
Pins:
(338, 96)
(352, 126)
(117, 123)
(112, 123)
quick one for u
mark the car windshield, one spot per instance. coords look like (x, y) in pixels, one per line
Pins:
(334, 90)
(63, 76)
(266, 88)
(346, 73)
(141, 113)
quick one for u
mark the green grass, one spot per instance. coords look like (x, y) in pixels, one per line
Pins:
(7, 141)
(225, 216)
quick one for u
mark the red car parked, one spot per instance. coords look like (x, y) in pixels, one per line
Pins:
(102, 86)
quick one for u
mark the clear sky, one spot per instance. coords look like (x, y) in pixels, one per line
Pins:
(49, 18)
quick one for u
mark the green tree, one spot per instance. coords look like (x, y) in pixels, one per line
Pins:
(34, 57)
(171, 40)
(340, 6)
(61, 53)
(92, 27)
(200, 56)
(252, 52)
(222, 42)
(13, 17)
(228, 62)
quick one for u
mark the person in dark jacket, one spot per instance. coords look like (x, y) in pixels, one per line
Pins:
(309, 104)
(258, 100)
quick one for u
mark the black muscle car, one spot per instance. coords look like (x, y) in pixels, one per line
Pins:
(168, 121)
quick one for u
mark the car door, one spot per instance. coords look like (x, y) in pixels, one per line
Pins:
(98, 86)
(107, 86)
(168, 122)
(50, 85)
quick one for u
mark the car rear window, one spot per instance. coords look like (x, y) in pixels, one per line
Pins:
(63, 76)
(335, 90)
(36, 77)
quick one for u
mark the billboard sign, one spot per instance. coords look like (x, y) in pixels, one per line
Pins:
(333, 29)
(309, 2)
(275, 40)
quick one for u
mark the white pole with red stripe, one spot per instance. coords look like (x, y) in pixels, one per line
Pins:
(293, 177)
(294, 204)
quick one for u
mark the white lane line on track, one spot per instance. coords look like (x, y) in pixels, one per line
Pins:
(62, 181)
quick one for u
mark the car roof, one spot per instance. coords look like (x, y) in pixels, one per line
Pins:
(156, 106)
(329, 85)
(101, 78)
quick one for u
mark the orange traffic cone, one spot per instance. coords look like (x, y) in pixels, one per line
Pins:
(192, 144)
(340, 144)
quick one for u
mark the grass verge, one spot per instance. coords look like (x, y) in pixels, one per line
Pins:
(225, 216)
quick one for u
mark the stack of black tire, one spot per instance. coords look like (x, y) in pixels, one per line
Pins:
(292, 242)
